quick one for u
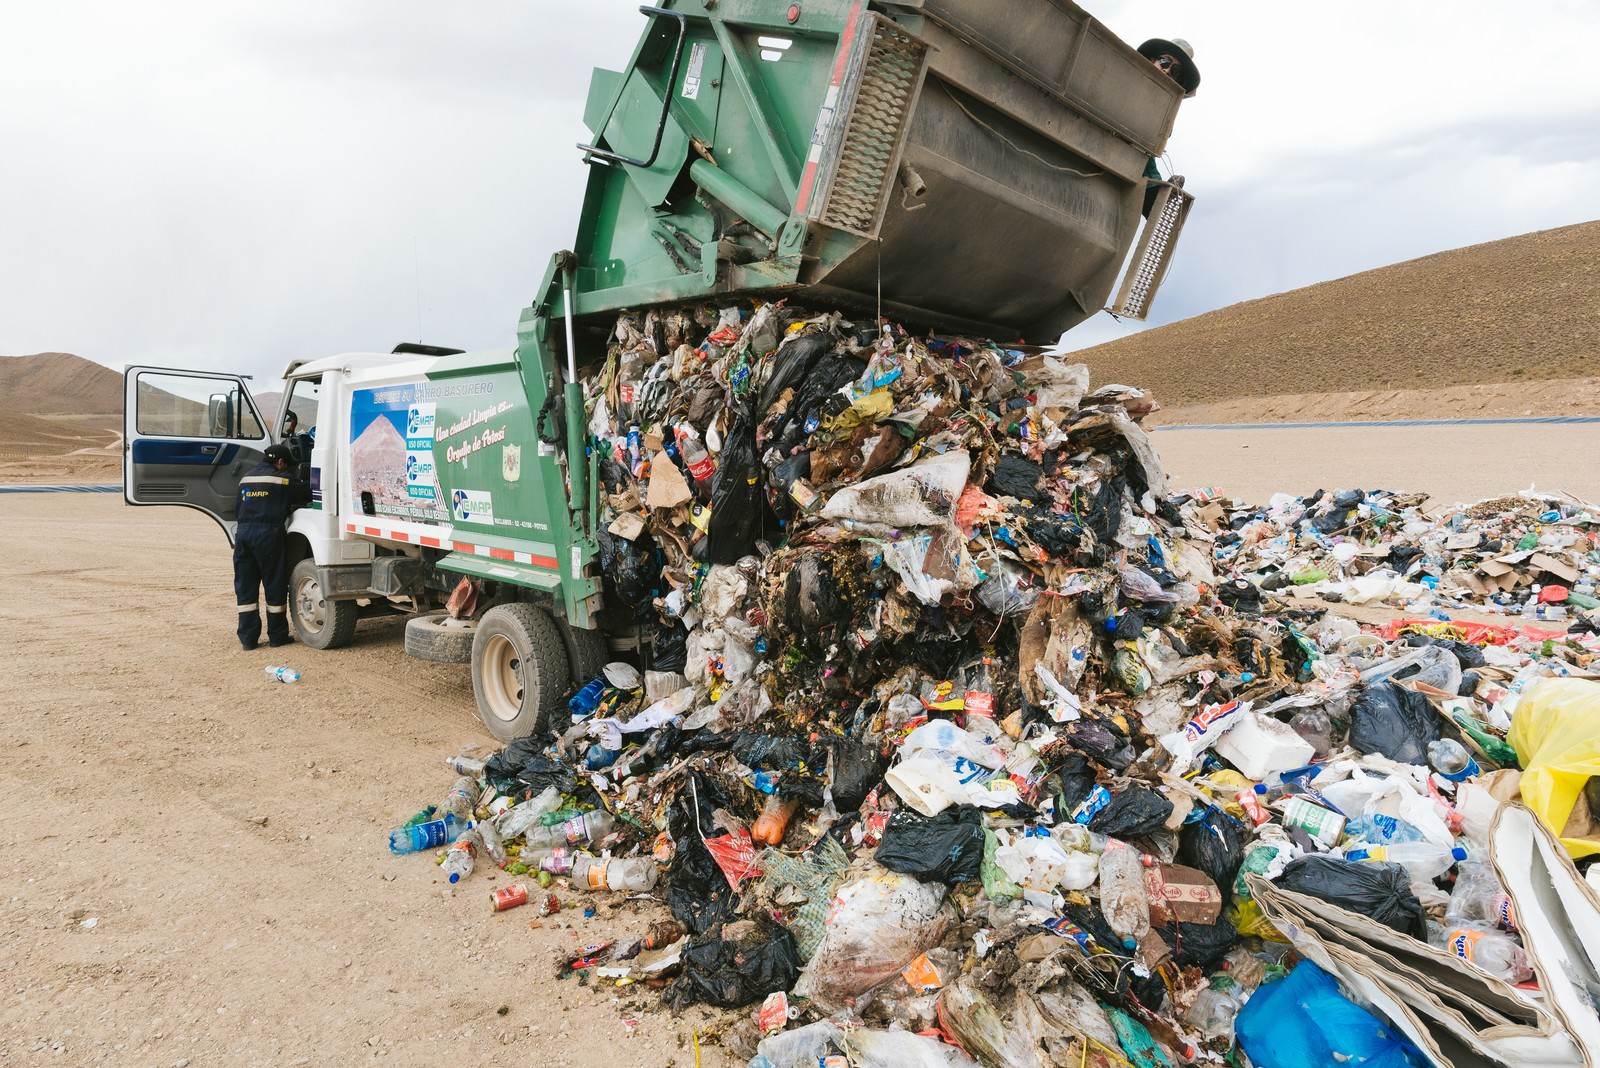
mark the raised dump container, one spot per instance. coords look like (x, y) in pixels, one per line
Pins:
(972, 165)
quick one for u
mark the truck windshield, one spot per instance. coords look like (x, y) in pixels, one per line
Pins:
(300, 409)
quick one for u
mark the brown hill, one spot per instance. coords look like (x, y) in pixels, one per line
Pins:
(57, 383)
(1510, 311)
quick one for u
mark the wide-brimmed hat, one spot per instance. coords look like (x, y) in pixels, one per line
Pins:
(1184, 72)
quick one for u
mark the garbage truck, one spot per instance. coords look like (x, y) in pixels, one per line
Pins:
(972, 167)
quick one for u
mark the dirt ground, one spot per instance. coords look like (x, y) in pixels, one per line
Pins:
(199, 871)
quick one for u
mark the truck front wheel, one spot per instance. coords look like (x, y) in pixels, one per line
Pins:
(519, 669)
(318, 622)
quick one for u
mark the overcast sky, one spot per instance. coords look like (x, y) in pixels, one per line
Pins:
(230, 185)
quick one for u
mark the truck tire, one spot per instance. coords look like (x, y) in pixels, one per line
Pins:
(318, 622)
(439, 638)
(519, 670)
(587, 654)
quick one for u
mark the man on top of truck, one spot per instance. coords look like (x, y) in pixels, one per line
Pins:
(266, 497)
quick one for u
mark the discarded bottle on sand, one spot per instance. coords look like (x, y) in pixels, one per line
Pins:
(459, 861)
(1479, 898)
(1123, 897)
(1486, 949)
(493, 844)
(462, 798)
(418, 836)
(462, 764)
(517, 819)
(587, 827)
(279, 673)
(609, 873)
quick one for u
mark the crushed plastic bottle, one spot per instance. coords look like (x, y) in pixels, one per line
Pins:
(1315, 729)
(459, 861)
(587, 827)
(462, 798)
(1486, 949)
(1479, 898)
(280, 673)
(1123, 897)
(517, 819)
(610, 873)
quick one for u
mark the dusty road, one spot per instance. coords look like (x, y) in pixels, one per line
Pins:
(197, 870)
(1451, 463)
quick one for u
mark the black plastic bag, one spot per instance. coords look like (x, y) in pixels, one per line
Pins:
(1213, 844)
(856, 770)
(1199, 945)
(731, 974)
(1132, 811)
(947, 848)
(1014, 476)
(1396, 722)
(523, 765)
(631, 573)
(737, 508)
(1380, 891)
(669, 651)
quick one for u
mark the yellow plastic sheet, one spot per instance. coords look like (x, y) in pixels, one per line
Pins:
(1556, 733)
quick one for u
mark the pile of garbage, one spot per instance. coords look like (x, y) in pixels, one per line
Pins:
(947, 735)
(1532, 555)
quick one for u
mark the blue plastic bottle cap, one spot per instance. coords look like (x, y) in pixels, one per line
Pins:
(455, 877)
(1458, 853)
(1246, 676)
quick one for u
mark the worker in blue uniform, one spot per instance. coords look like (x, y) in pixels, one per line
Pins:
(260, 559)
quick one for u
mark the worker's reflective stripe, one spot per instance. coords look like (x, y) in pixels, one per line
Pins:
(247, 608)
(275, 608)
(269, 480)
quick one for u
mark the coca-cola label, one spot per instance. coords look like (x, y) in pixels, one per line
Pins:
(980, 702)
(703, 468)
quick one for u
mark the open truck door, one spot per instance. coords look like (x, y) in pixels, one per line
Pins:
(188, 437)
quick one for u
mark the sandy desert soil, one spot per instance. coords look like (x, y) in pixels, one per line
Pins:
(197, 864)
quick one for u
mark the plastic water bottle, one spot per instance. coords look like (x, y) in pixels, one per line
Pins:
(1315, 729)
(283, 674)
(1486, 949)
(595, 873)
(1378, 829)
(1451, 759)
(462, 798)
(1479, 898)
(587, 827)
(419, 836)
(1424, 860)
(517, 819)
(458, 863)
(1123, 897)
(462, 764)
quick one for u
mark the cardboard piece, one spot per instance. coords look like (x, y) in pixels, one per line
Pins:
(627, 526)
(668, 487)
(1185, 894)
(1559, 568)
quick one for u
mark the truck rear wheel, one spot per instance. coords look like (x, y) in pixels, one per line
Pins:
(439, 638)
(519, 670)
(318, 622)
(587, 654)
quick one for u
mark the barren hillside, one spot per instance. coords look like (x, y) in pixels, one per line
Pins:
(57, 383)
(1522, 309)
